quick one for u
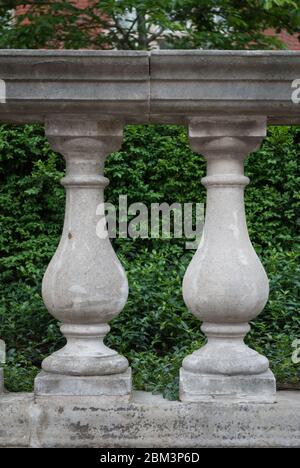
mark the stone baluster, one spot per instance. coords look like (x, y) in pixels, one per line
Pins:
(225, 285)
(85, 285)
(2, 361)
(1, 380)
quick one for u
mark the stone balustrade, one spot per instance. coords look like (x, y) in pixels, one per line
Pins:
(85, 98)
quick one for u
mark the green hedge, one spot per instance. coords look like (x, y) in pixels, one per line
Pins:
(155, 330)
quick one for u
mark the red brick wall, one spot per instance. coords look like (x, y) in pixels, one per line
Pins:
(291, 41)
(79, 3)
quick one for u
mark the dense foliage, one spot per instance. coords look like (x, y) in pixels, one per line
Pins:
(140, 24)
(155, 330)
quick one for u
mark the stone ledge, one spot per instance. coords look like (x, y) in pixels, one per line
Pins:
(147, 421)
(158, 86)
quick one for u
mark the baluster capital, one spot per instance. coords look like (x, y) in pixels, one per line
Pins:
(215, 136)
(84, 137)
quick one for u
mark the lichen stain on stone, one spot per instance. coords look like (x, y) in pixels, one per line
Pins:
(82, 431)
(42, 419)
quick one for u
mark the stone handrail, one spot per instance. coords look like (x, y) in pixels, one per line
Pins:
(159, 86)
(84, 99)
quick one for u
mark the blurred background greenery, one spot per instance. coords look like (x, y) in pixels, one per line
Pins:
(155, 330)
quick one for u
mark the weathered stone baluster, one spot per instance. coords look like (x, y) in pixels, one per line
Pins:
(1, 380)
(85, 285)
(225, 285)
(2, 361)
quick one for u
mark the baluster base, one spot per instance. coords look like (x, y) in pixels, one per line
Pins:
(114, 385)
(1, 381)
(258, 388)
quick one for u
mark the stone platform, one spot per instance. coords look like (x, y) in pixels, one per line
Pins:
(147, 421)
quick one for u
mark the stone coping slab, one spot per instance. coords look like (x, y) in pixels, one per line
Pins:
(147, 421)
(168, 86)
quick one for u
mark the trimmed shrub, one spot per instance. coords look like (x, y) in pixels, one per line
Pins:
(155, 330)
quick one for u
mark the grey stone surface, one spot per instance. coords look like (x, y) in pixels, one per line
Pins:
(225, 285)
(183, 83)
(1, 380)
(147, 421)
(84, 286)
(40, 83)
(260, 388)
(15, 419)
(198, 82)
(118, 385)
